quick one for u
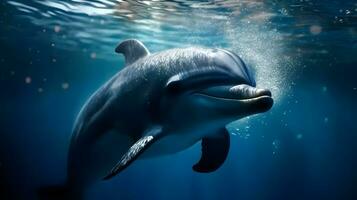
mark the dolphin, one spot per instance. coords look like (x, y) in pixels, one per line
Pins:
(160, 104)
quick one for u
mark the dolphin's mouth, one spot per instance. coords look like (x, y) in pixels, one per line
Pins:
(241, 93)
(237, 92)
(260, 100)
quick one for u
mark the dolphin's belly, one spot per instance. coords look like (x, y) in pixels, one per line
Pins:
(170, 144)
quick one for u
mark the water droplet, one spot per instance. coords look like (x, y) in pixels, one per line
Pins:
(28, 80)
(283, 11)
(57, 28)
(65, 86)
(93, 55)
(299, 136)
(315, 29)
(326, 119)
(276, 144)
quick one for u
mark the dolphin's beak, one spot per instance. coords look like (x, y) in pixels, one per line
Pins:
(259, 100)
(242, 91)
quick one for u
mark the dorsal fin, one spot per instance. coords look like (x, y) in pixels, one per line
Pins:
(133, 50)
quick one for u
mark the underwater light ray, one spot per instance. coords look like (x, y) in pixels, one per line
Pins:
(263, 50)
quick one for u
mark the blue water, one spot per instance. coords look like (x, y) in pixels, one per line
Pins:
(55, 53)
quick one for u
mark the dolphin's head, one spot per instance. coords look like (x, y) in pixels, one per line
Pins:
(218, 92)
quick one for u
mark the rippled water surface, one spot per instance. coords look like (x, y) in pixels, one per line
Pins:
(55, 53)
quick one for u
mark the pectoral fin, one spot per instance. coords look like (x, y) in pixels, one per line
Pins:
(214, 152)
(135, 151)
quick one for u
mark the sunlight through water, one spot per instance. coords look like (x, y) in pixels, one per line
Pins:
(248, 28)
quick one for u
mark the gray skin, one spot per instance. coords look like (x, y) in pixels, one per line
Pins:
(160, 104)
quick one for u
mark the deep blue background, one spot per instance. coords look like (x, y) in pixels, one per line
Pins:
(304, 148)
